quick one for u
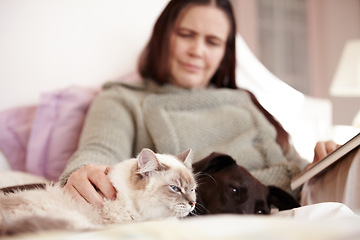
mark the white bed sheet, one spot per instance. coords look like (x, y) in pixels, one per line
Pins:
(329, 220)
(325, 221)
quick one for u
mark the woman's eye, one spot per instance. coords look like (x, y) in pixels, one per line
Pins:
(184, 35)
(175, 188)
(213, 43)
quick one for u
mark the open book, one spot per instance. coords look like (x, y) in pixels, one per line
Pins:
(322, 164)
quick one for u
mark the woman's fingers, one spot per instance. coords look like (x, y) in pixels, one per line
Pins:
(103, 184)
(324, 148)
(75, 194)
(83, 184)
(331, 146)
(319, 151)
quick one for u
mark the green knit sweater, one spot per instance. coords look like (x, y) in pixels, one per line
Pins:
(124, 118)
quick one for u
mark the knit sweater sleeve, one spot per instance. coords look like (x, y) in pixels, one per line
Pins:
(294, 157)
(281, 174)
(107, 133)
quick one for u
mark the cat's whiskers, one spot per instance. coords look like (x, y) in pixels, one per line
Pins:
(181, 210)
(199, 175)
(199, 207)
(174, 212)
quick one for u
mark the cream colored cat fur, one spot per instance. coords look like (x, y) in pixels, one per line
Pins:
(149, 186)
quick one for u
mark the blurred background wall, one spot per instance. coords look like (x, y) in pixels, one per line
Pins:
(301, 42)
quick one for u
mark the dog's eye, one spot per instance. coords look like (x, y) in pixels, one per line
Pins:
(175, 188)
(238, 193)
(263, 212)
(233, 191)
(261, 208)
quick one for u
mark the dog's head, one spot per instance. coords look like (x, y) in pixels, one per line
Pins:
(226, 187)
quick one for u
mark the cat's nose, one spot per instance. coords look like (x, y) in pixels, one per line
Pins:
(192, 203)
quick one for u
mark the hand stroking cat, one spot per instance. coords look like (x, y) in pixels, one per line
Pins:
(149, 186)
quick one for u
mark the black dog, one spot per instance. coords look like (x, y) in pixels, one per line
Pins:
(226, 187)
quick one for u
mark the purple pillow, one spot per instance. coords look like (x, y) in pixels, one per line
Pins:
(41, 139)
(56, 130)
(15, 127)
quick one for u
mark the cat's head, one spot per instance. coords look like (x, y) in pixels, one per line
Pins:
(168, 183)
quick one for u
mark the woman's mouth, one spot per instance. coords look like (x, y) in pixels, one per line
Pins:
(190, 67)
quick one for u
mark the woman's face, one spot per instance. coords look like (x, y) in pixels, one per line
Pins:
(197, 45)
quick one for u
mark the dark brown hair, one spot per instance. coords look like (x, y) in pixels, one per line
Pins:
(153, 62)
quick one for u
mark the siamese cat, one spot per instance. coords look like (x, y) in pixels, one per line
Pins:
(149, 186)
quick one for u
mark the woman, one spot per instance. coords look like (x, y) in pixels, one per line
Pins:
(188, 100)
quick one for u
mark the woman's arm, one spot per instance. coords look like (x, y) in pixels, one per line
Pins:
(106, 139)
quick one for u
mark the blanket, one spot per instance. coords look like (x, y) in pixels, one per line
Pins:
(325, 221)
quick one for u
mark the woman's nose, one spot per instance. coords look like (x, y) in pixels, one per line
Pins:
(197, 48)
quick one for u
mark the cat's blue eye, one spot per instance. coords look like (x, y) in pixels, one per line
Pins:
(175, 188)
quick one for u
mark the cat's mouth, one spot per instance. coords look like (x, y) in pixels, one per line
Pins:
(182, 214)
(182, 210)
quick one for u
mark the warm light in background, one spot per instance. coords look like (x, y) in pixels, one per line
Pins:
(346, 82)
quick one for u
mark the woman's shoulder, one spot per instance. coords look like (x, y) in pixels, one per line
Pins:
(147, 86)
(138, 84)
(134, 84)
(124, 91)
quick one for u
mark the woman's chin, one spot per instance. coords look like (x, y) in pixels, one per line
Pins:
(191, 82)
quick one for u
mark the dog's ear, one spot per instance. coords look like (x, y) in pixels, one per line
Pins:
(217, 162)
(281, 199)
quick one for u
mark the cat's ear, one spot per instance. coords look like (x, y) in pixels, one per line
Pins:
(185, 157)
(147, 161)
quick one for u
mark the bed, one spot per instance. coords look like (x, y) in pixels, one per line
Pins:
(54, 57)
(316, 225)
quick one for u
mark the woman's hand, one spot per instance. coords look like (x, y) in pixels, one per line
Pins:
(82, 184)
(324, 148)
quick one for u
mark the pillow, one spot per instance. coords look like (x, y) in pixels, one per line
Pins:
(41, 139)
(56, 130)
(15, 127)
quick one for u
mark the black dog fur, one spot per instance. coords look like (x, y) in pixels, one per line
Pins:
(226, 187)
